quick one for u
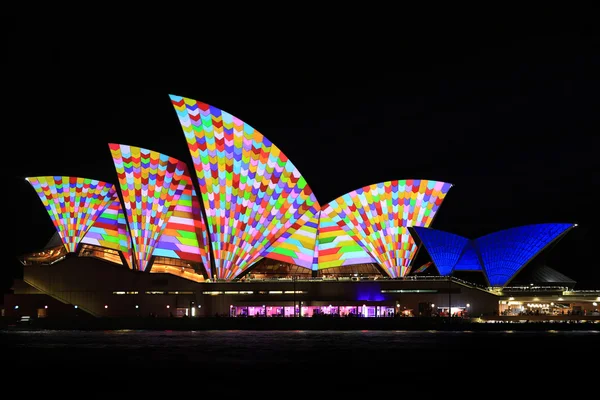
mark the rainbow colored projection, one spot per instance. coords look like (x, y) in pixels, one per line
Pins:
(501, 255)
(151, 185)
(73, 204)
(377, 217)
(251, 192)
(422, 268)
(336, 248)
(185, 235)
(298, 244)
(110, 230)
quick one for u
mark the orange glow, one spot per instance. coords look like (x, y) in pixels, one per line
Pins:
(47, 256)
(183, 272)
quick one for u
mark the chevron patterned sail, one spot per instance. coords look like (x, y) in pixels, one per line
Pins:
(251, 192)
(505, 253)
(377, 217)
(335, 248)
(110, 230)
(73, 204)
(151, 185)
(297, 244)
(185, 235)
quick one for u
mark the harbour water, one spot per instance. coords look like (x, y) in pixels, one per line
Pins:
(124, 362)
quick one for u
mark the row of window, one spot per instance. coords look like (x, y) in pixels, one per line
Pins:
(153, 292)
(242, 292)
(218, 292)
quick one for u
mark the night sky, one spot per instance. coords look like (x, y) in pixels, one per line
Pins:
(507, 112)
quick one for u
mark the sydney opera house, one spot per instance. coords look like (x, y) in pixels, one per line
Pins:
(242, 234)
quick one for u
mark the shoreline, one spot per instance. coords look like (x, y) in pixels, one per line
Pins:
(275, 324)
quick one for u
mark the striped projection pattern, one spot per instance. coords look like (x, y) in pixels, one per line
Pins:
(505, 252)
(298, 244)
(444, 248)
(185, 235)
(422, 268)
(251, 192)
(110, 230)
(377, 217)
(151, 184)
(73, 204)
(336, 248)
(501, 255)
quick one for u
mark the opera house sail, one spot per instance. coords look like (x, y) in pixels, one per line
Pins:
(252, 193)
(499, 255)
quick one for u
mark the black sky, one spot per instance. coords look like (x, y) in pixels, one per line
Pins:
(507, 111)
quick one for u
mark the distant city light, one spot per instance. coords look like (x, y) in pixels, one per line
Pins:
(468, 305)
(432, 305)
(16, 307)
(595, 304)
(168, 306)
(45, 306)
(75, 306)
(105, 306)
(136, 306)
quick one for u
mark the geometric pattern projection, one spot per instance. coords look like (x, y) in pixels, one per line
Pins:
(336, 248)
(297, 244)
(73, 204)
(377, 217)
(469, 260)
(110, 230)
(151, 184)
(185, 236)
(251, 192)
(444, 248)
(504, 253)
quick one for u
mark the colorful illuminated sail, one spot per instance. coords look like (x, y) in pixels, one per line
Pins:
(297, 244)
(110, 230)
(336, 248)
(185, 235)
(73, 204)
(251, 192)
(377, 217)
(151, 184)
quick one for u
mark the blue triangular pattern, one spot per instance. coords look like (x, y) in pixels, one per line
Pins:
(444, 248)
(504, 253)
(469, 261)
